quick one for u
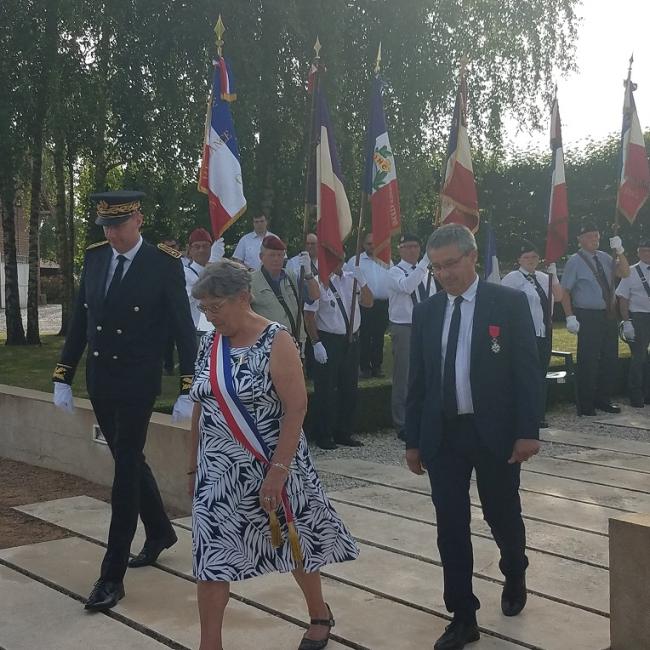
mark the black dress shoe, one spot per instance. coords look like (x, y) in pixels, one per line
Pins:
(348, 441)
(543, 424)
(326, 443)
(647, 400)
(151, 550)
(608, 407)
(457, 634)
(513, 597)
(311, 644)
(637, 403)
(105, 594)
(589, 412)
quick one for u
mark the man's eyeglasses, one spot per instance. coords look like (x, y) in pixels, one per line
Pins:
(213, 309)
(447, 266)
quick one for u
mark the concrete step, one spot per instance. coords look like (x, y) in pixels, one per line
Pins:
(606, 458)
(34, 615)
(579, 545)
(597, 441)
(155, 599)
(637, 420)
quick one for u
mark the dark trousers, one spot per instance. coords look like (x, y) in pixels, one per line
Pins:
(544, 345)
(597, 357)
(498, 487)
(374, 322)
(639, 377)
(335, 388)
(124, 425)
(168, 359)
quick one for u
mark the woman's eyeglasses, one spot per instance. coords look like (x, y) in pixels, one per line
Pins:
(213, 309)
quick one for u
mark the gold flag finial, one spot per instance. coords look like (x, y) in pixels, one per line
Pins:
(378, 62)
(219, 29)
(317, 47)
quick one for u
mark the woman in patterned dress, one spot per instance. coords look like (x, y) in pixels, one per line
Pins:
(234, 494)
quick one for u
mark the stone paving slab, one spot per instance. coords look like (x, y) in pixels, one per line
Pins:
(628, 420)
(607, 458)
(154, 599)
(548, 575)
(544, 537)
(32, 612)
(596, 441)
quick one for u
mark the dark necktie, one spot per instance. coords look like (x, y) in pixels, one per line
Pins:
(449, 400)
(116, 279)
(543, 298)
(421, 290)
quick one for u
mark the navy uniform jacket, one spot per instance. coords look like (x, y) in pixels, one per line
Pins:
(506, 384)
(126, 339)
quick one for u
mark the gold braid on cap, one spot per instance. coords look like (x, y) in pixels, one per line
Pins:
(104, 209)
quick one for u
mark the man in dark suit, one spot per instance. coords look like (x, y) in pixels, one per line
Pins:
(129, 292)
(473, 404)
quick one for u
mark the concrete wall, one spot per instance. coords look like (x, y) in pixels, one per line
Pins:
(33, 431)
(23, 276)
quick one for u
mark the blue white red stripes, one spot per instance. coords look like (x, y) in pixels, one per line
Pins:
(220, 176)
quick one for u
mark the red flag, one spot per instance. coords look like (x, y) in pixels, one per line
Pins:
(557, 237)
(458, 199)
(634, 185)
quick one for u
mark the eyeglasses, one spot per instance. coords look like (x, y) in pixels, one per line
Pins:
(447, 266)
(212, 309)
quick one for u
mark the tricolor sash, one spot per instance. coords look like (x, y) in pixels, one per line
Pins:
(244, 430)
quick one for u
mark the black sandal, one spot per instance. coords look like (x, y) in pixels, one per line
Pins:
(311, 644)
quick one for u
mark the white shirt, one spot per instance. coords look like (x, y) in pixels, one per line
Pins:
(404, 279)
(130, 254)
(192, 271)
(464, 349)
(248, 249)
(517, 280)
(632, 289)
(328, 313)
(376, 273)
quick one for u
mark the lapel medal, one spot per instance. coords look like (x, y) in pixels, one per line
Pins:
(494, 331)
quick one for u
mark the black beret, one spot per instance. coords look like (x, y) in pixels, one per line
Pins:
(406, 237)
(526, 246)
(588, 225)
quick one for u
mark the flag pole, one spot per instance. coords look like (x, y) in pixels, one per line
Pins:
(362, 213)
(626, 83)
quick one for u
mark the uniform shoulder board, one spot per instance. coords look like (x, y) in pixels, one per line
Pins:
(170, 251)
(97, 245)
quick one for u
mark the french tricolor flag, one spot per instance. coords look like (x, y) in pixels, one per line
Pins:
(458, 198)
(220, 176)
(380, 178)
(557, 238)
(334, 220)
(634, 185)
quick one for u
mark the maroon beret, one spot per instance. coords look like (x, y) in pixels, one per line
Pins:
(199, 234)
(273, 243)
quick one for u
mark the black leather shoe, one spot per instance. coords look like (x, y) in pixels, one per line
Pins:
(151, 550)
(637, 403)
(608, 407)
(457, 635)
(543, 424)
(105, 594)
(326, 443)
(348, 441)
(311, 644)
(513, 597)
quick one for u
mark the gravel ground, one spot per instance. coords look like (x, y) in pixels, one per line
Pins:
(49, 319)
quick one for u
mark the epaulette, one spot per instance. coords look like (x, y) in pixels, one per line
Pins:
(97, 244)
(169, 250)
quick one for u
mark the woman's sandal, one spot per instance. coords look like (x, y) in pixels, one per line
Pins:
(311, 644)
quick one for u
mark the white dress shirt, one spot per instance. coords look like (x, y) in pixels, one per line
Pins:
(404, 279)
(248, 249)
(376, 273)
(632, 289)
(464, 349)
(519, 280)
(328, 313)
(130, 254)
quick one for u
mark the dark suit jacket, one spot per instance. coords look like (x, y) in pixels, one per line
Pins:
(506, 385)
(126, 338)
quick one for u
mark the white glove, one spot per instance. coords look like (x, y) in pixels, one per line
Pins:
(218, 249)
(359, 276)
(182, 408)
(572, 325)
(616, 244)
(552, 269)
(63, 397)
(320, 353)
(424, 263)
(305, 262)
(628, 330)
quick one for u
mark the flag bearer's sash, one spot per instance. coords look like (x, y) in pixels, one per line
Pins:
(243, 428)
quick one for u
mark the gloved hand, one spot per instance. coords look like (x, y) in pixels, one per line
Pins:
(359, 276)
(552, 271)
(572, 324)
(182, 408)
(305, 262)
(63, 397)
(218, 249)
(320, 353)
(616, 244)
(424, 263)
(628, 330)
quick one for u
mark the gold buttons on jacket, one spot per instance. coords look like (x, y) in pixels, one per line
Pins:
(115, 357)
(118, 331)
(95, 353)
(99, 328)
(136, 308)
(86, 305)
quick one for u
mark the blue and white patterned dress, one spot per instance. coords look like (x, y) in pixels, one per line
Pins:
(231, 538)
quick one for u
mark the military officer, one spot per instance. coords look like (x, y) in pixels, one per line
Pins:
(589, 305)
(634, 301)
(129, 290)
